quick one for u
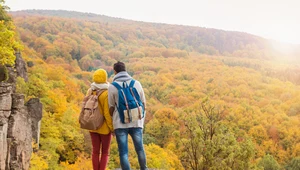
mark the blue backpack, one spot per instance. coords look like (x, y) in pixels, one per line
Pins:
(130, 106)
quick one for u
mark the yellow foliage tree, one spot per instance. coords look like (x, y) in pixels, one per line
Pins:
(162, 126)
(160, 158)
(8, 42)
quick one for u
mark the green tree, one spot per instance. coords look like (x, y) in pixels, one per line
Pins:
(3, 14)
(269, 163)
(3, 73)
(207, 143)
(294, 164)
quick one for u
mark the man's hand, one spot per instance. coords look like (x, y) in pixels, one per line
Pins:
(111, 111)
(113, 133)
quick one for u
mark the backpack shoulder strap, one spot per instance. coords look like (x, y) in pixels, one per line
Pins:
(99, 92)
(132, 83)
(116, 85)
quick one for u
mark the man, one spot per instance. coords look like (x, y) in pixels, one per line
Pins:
(121, 130)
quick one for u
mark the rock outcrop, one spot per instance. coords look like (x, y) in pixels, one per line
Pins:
(19, 122)
(18, 70)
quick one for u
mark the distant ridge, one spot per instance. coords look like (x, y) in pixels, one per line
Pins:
(71, 14)
(199, 39)
(103, 18)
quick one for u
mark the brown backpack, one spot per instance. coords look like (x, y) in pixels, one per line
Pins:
(90, 117)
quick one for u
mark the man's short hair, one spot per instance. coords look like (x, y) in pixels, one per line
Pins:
(119, 66)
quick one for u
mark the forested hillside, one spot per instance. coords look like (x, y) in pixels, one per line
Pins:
(216, 99)
(143, 34)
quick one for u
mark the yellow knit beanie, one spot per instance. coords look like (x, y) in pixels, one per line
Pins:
(100, 76)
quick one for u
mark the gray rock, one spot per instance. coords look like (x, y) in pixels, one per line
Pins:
(12, 75)
(5, 96)
(35, 110)
(19, 123)
(3, 145)
(5, 102)
(5, 88)
(17, 101)
(4, 115)
(19, 130)
(21, 67)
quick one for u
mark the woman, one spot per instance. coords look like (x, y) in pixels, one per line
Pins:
(101, 137)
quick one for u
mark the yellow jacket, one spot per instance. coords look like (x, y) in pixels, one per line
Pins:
(107, 126)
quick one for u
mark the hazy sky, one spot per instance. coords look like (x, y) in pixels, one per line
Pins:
(273, 19)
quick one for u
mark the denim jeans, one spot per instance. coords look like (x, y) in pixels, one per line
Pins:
(137, 138)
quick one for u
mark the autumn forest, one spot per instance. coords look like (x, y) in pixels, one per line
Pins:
(215, 99)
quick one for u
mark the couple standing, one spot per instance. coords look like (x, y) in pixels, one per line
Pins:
(108, 100)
